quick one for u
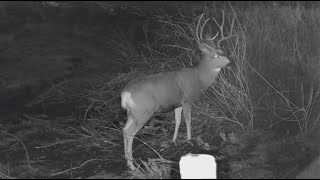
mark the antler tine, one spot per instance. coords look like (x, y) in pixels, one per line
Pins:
(198, 26)
(202, 27)
(199, 38)
(223, 37)
(204, 24)
(213, 37)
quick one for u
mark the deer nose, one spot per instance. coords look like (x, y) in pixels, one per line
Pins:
(230, 65)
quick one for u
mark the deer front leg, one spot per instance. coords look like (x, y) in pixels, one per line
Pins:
(177, 115)
(187, 117)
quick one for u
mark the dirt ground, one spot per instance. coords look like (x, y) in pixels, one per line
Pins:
(48, 65)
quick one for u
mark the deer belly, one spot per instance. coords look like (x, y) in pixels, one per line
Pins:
(168, 108)
(167, 101)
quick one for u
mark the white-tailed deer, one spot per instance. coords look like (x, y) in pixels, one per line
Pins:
(176, 90)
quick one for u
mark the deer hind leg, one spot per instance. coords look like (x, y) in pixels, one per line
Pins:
(177, 113)
(134, 123)
(187, 117)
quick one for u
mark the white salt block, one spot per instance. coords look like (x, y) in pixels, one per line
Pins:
(198, 166)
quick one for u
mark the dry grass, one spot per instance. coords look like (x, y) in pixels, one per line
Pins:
(275, 57)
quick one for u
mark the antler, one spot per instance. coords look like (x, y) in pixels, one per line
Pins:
(223, 37)
(200, 38)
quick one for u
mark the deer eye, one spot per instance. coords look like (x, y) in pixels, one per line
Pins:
(216, 55)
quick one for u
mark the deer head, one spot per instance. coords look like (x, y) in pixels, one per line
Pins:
(212, 51)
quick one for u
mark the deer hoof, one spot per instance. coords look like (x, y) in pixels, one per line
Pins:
(190, 142)
(176, 143)
(131, 166)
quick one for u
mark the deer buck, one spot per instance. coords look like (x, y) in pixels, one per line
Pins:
(177, 90)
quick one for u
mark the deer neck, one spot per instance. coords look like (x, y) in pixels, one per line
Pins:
(207, 73)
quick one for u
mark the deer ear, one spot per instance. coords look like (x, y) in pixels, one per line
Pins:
(219, 51)
(203, 48)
